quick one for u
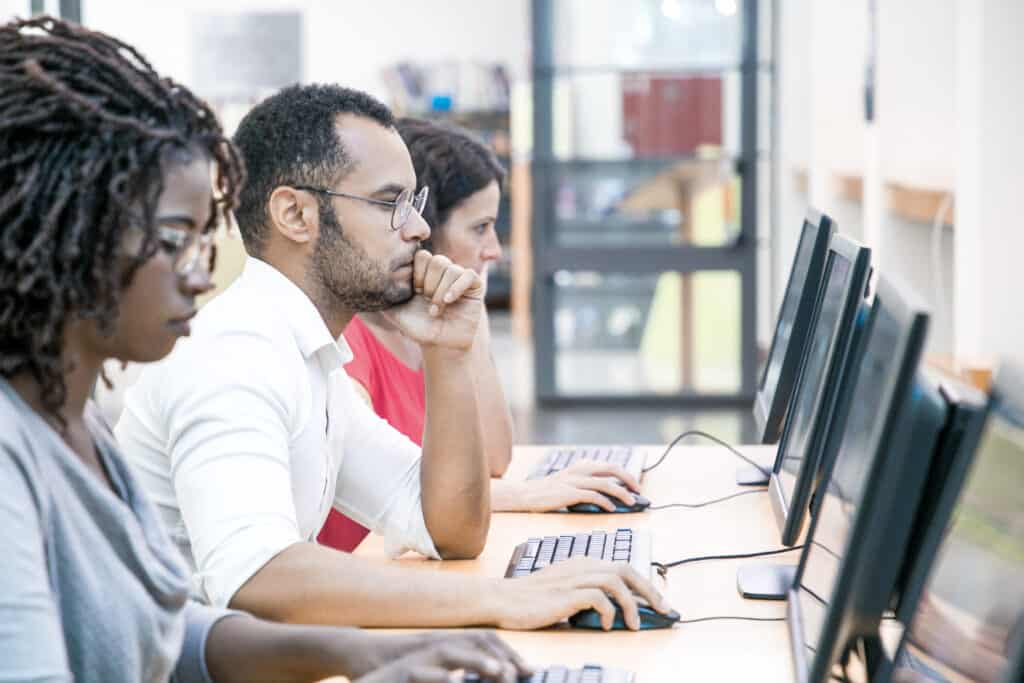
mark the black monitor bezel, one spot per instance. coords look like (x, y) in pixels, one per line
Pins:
(791, 511)
(884, 513)
(770, 411)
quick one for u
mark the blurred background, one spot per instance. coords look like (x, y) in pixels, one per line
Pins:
(662, 154)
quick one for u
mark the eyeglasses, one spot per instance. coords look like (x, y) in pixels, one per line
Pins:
(190, 249)
(401, 208)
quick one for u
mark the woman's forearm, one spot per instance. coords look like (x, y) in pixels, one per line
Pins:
(495, 417)
(248, 649)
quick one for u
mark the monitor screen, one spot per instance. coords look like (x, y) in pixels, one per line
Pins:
(970, 615)
(846, 482)
(809, 392)
(790, 305)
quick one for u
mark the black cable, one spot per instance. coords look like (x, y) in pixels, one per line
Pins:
(664, 567)
(711, 437)
(706, 502)
(730, 618)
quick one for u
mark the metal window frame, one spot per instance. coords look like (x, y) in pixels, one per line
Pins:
(740, 256)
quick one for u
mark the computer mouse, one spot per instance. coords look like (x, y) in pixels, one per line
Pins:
(640, 505)
(649, 619)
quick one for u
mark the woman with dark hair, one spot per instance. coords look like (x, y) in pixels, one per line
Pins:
(112, 180)
(465, 180)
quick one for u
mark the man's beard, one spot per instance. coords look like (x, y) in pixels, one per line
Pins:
(349, 276)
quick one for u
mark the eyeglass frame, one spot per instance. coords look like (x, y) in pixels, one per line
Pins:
(417, 197)
(183, 240)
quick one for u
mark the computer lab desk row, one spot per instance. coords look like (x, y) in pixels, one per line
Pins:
(706, 651)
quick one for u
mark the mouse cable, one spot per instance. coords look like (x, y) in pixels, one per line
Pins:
(706, 502)
(729, 618)
(664, 567)
(710, 437)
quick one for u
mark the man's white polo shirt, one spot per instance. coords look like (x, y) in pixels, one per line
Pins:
(250, 430)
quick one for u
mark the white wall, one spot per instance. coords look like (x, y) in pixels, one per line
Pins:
(345, 41)
(916, 86)
(950, 102)
(823, 50)
(820, 62)
(990, 180)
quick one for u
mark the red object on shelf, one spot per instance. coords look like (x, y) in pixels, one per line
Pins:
(671, 115)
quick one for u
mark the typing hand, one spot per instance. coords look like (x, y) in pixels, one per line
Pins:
(560, 590)
(446, 306)
(479, 652)
(581, 482)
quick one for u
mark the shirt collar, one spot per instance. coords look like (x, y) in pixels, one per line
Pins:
(298, 311)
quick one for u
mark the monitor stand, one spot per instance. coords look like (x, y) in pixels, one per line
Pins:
(765, 581)
(751, 476)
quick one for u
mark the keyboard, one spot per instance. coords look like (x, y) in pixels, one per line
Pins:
(621, 545)
(557, 459)
(560, 674)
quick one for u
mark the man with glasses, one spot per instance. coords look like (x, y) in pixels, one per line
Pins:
(251, 430)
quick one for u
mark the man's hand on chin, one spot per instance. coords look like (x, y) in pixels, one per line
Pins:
(446, 306)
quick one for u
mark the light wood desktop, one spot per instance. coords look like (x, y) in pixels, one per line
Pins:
(707, 651)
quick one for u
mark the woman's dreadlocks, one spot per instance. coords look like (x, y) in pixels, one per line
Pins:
(85, 126)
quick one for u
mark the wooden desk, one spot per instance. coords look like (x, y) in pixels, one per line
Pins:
(708, 651)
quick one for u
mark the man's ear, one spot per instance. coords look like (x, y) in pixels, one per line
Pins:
(294, 214)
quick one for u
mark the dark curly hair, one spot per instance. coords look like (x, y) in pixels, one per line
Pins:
(452, 162)
(291, 137)
(86, 125)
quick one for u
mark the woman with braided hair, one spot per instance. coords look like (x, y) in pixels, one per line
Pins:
(106, 217)
(465, 180)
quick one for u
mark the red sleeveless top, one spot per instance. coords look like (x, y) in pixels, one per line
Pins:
(398, 395)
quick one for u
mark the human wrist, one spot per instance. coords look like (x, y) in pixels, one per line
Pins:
(325, 651)
(434, 354)
(508, 496)
(493, 602)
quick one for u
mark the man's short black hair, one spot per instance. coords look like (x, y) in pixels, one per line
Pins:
(291, 137)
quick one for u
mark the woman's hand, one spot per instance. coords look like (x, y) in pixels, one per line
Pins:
(581, 482)
(479, 652)
(240, 648)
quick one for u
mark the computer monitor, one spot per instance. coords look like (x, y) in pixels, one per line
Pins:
(810, 422)
(964, 605)
(779, 375)
(869, 492)
(1015, 670)
(834, 340)
(968, 408)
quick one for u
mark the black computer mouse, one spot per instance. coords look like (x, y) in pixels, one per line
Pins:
(649, 619)
(640, 505)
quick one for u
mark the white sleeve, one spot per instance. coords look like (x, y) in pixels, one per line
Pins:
(379, 478)
(227, 407)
